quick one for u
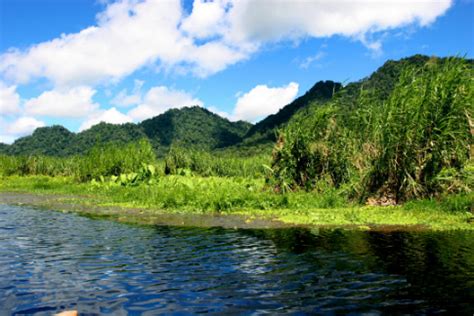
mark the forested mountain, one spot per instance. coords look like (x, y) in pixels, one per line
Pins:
(199, 128)
(105, 133)
(193, 127)
(51, 141)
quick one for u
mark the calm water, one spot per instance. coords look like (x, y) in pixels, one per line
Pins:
(51, 261)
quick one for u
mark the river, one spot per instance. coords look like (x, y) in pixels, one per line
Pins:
(51, 261)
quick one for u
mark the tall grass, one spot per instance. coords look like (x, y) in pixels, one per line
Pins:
(180, 161)
(418, 143)
(112, 160)
(102, 160)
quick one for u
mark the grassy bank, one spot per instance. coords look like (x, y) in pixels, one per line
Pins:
(248, 198)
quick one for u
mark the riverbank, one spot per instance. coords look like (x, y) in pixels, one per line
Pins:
(226, 202)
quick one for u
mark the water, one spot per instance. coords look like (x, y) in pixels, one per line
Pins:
(51, 261)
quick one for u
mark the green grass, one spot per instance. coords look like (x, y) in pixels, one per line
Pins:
(249, 198)
(415, 144)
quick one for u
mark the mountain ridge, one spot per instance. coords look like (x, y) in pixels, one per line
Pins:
(199, 128)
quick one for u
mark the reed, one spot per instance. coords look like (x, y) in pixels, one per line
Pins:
(416, 144)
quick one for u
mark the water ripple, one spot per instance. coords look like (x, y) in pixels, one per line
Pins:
(51, 261)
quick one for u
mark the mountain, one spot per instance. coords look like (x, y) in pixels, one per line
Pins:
(193, 127)
(105, 133)
(58, 141)
(50, 141)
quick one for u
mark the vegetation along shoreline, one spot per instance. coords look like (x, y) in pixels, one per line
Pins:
(391, 151)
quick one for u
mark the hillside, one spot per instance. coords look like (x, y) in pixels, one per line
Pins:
(105, 133)
(51, 141)
(193, 127)
(190, 127)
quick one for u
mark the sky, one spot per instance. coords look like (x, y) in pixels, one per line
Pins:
(80, 62)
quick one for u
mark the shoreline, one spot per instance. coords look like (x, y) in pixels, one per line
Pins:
(245, 219)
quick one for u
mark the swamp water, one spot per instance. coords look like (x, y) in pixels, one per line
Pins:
(50, 261)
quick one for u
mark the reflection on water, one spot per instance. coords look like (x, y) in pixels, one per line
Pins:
(52, 261)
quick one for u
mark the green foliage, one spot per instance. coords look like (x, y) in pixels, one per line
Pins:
(144, 175)
(210, 194)
(112, 160)
(265, 130)
(144, 203)
(37, 165)
(104, 133)
(414, 144)
(101, 161)
(180, 161)
(48, 141)
(192, 127)
(58, 141)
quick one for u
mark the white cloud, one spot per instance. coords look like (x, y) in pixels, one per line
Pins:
(74, 102)
(264, 21)
(132, 34)
(7, 139)
(263, 100)
(109, 116)
(23, 126)
(159, 99)
(206, 19)
(123, 99)
(9, 99)
(128, 36)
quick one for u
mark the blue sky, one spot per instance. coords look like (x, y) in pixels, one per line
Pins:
(79, 62)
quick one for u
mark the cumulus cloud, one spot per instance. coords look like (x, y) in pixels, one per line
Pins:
(74, 102)
(132, 34)
(207, 19)
(263, 100)
(159, 99)
(111, 115)
(9, 99)
(129, 35)
(23, 126)
(262, 21)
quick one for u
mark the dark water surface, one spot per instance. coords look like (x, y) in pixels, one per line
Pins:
(51, 261)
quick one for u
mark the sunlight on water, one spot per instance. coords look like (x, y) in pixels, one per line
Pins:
(51, 261)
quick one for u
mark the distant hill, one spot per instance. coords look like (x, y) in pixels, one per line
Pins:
(105, 133)
(190, 126)
(50, 141)
(193, 127)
